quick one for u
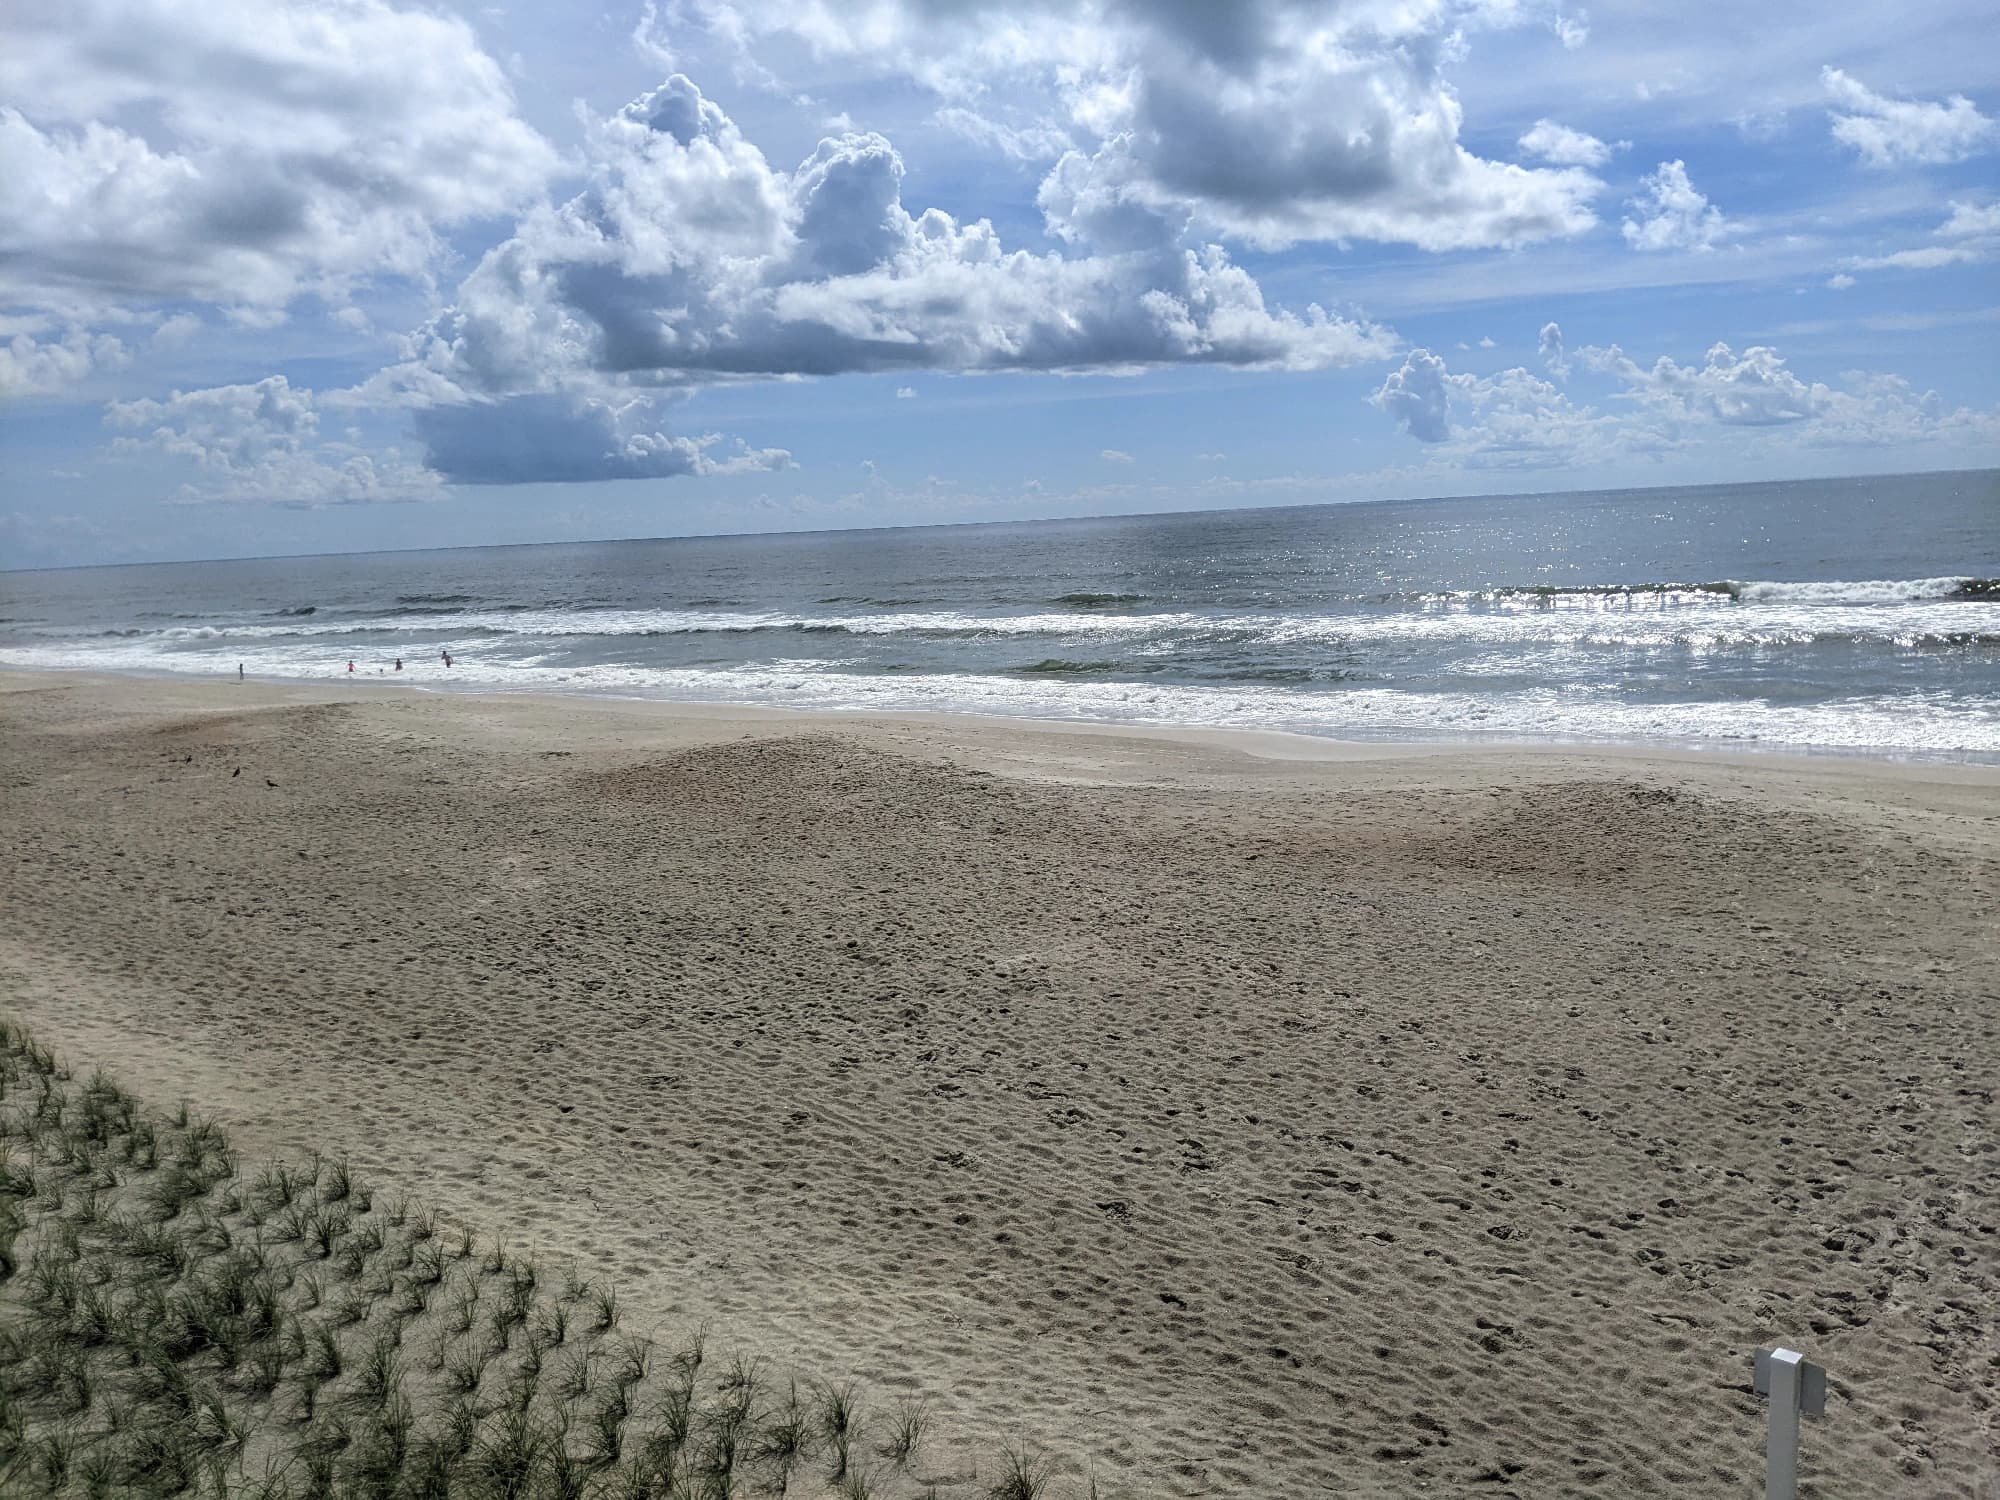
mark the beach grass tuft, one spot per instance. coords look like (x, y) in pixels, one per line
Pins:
(172, 1324)
(906, 1431)
(1023, 1475)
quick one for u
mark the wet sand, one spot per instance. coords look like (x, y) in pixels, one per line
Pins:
(1235, 1114)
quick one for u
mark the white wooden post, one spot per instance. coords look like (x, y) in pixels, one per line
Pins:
(1796, 1386)
(1781, 1449)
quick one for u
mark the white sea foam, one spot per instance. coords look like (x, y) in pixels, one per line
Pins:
(1924, 723)
(1914, 723)
(1859, 591)
(1775, 619)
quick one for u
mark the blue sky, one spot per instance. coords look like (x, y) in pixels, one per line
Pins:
(346, 274)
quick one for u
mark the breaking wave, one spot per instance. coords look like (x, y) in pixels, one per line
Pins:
(1099, 601)
(1868, 591)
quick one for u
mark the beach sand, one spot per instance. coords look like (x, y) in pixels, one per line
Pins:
(1238, 1116)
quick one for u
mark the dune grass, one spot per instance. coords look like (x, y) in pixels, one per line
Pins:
(172, 1324)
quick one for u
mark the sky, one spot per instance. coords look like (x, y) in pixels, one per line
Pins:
(287, 276)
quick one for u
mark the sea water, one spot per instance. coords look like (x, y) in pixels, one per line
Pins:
(1856, 614)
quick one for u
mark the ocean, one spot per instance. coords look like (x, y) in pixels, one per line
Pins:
(1850, 615)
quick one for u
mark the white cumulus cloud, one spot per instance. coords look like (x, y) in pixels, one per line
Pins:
(690, 260)
(240, 152)
(261, 443)
(1418, 395)
(1273, 121)
(1890, 132)
(1549, 344)
(1751, 389)
(1564, 146)
(1514, 419)
(31, 366)
(1671, 214)
(1509, 420)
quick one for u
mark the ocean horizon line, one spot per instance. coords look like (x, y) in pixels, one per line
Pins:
(1051, 520)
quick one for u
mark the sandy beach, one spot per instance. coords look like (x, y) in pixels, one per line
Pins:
(1224, 1115)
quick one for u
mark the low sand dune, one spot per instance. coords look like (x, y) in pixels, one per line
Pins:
(1240, 1118)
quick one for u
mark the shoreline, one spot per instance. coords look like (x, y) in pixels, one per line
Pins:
(1268, 744)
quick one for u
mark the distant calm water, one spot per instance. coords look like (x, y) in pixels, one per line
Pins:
(1855, 614)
